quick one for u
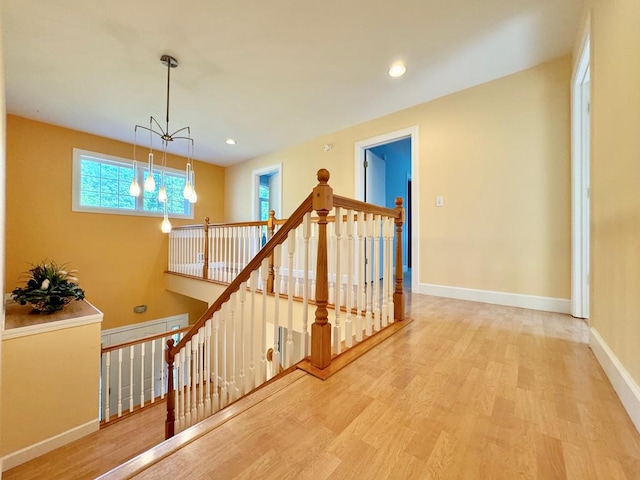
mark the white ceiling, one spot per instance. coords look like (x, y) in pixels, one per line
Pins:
(267, 73)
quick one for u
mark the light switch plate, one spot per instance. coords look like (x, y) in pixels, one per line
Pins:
(439, 202)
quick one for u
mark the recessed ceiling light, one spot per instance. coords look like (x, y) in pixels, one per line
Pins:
(397, 70)
(230, 141)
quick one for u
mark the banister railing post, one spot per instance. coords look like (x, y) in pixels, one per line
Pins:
(169, 427)
(321, 329)
(205, 267)
(271, 228)
(398, 294)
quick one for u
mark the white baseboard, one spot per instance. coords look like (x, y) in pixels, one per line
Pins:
(32, 451)
(626, 388)
(532, 302)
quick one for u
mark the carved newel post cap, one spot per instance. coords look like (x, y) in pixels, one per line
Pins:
(399, 201)
(323, 175)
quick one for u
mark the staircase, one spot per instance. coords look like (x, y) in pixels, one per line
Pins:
(301, 291)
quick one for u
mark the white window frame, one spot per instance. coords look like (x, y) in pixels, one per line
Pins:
(141, 167)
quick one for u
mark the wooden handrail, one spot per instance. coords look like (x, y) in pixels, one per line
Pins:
(358, 206)
(279, 237)
(148, 338)
(256, 223)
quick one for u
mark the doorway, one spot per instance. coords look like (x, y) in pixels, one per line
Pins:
(580, 182)
(386, 168)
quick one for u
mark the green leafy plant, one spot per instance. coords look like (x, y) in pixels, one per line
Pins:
(49, 288)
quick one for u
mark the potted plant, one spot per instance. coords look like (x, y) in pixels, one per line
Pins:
(49, 288)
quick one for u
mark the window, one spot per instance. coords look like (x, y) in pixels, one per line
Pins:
(263, 197)
(101, 185)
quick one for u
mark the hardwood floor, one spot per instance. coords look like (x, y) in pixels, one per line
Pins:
(467, 390)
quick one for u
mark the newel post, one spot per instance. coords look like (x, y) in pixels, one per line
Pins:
(271, 228)
(398, 294)
(321, 328)
(169, 426)
(205, 267)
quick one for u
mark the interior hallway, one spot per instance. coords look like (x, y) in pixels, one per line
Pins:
(467, 390)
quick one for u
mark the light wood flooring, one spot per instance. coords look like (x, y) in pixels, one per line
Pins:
(467, 390)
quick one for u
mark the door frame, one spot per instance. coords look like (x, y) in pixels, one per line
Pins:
(365, 144)
(580, 178)
(255, 182)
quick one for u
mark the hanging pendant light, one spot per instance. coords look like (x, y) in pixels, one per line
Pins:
(166, 224)
(134, 188)
(183, 133)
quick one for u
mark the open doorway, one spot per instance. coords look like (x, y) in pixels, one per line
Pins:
(580, 182)
(386, 168)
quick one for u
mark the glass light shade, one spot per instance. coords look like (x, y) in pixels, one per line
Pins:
(166, 224)
(150, 183)
(188, 191)
(193, 198)
(134, 188)
(162, 194)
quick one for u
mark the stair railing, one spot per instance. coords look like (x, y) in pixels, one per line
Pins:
(217, 251)
(132, 374)
(223, 356)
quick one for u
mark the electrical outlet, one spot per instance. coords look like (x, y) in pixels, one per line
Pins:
(439, 202)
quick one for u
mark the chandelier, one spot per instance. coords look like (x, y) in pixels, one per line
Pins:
(182, 134)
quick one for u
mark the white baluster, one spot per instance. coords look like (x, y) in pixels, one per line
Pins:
(216, 361)
(276, 308)
(183, 380)
(330, 262)
(306, 234)
(131, 356)
(195, 361)
(368, 319)
(291, 251)
(391, 283)
(376, 273)
(153, 371)
(163, 362)
(253, 280)
(385, 270)
(106, 386)
(348, 331)
(243, 340)
(314, 258)
(234, 341)
(361, 279)
(119, 382)
(337, 334)
(141, 375)
(263, 354)
(187, 371)
(207, 367)
(224, 392)
(201, 372)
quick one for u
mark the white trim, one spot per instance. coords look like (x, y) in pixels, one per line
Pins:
(580, 182)
(37, 449)
(53, 326)
(532, 302)
(255, 174)
(624, 385)
(360, 148)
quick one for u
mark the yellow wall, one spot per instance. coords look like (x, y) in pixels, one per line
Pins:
(615, 178)
(48, 388)
(120, 258)
(499, 153)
